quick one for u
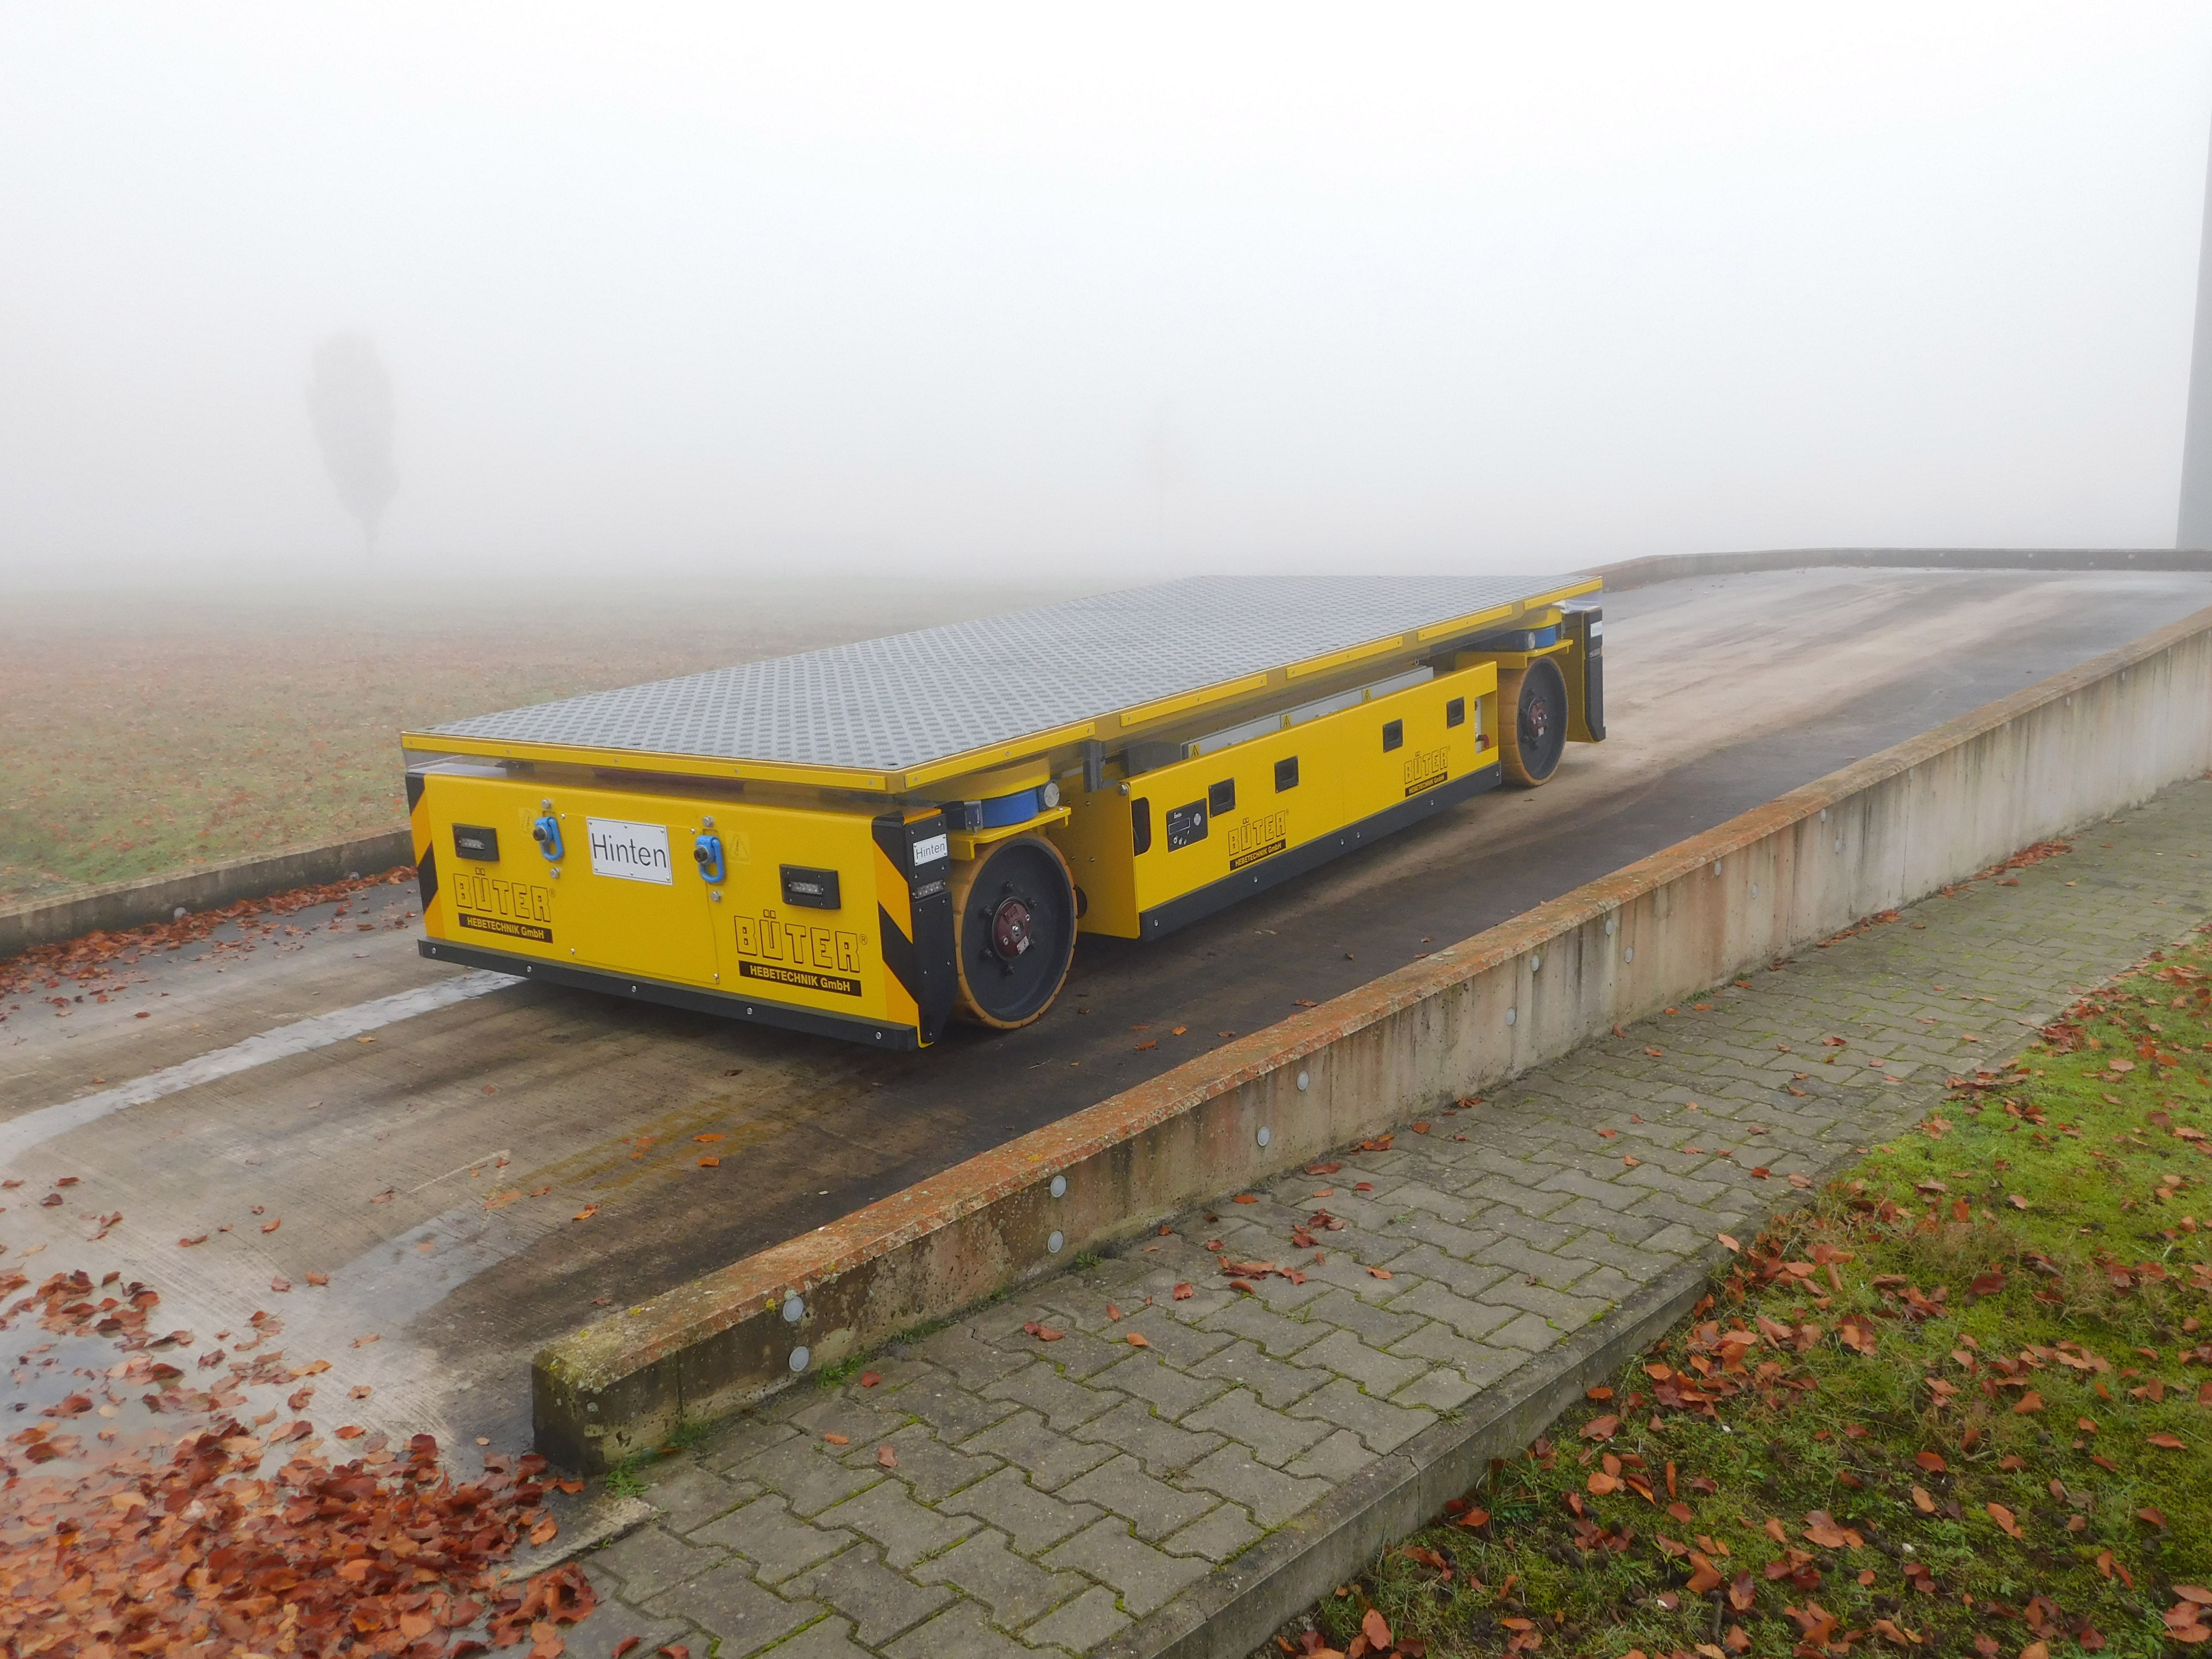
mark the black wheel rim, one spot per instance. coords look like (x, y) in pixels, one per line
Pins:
(1016, 931)
(1541, 722)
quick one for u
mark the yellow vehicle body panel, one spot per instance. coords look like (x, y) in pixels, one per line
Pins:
(1217, 822)
(628, 900)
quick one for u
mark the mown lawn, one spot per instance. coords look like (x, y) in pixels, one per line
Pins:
(1961, 1403)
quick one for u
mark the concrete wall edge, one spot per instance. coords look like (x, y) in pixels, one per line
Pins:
(1407, 1040)
(121, 904)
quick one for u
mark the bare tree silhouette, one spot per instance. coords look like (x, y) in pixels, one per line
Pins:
(349, 404)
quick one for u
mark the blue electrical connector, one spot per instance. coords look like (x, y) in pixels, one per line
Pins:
(707, 852)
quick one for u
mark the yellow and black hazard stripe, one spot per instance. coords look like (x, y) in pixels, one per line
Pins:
(913, 913)
(426, 851)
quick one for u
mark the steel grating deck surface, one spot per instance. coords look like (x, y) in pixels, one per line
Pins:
(911, 699)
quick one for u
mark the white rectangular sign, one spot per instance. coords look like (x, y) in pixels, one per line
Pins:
(930, 848)
(635, 852)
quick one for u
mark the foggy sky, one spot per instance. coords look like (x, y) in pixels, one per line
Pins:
(1151, 288)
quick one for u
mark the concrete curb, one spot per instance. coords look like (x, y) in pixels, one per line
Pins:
(1880, 833)
(158, 898)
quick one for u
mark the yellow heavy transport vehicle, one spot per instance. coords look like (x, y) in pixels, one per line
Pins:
(869, 840)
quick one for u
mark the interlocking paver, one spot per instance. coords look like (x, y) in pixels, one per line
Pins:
(1219, 1535)
(1036, 1519)
(1275, 1382)
(1255, 1323)
(1273, 1437)
(1042, 1496)
(1482, 1363)
(777, 1542)
(959, 1630)
(825, 1639)
(1468, 1316)
(960, 1353)
(1335, 1459)
(1080, 1626)
(1565, 1312)
(1377, 1325)
(1382, 1425)
(907, 1531)
(1061, 1403)
(861, 1419)
(1142, 1576)
(1440, 1388)
(1165, 1449)
(932, 1470)
(807, 1474)
(1174, 1342)
(1373, 1369)
(1049, 1458)
(742, 1438)
(688, 1494)
(1272, 1496)
(1171, 1392)
(597, 1639)
(985, 1567)
(725, 1602)
(1152, 1507)
(879, 1602)
(652, 1558)
(956, 1413)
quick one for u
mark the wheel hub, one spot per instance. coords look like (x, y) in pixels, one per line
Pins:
(1011, 929)
(1536, 719)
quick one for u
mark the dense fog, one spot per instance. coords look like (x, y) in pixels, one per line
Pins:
(578, 297)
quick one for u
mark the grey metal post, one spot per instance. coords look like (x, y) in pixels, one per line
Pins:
(2194, 529)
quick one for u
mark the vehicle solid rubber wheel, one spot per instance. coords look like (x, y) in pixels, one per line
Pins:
(1534, 735)
(1014, 929)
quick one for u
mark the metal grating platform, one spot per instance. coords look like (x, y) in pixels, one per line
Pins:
(908, 700)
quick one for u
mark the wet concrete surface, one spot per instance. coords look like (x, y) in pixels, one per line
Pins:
(434, 1166)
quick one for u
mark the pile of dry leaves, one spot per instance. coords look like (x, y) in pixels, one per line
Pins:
(185, 1524)
(98, 954)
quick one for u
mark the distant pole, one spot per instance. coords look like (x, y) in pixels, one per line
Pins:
(2195, 527)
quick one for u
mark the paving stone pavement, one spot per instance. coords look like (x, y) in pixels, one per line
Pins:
(992, 1494)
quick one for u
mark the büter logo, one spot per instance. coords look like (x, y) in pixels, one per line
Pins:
(1425, 768)
(518, 909)
(1253, 839)
(799, 954)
